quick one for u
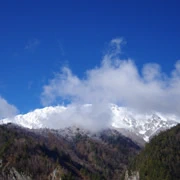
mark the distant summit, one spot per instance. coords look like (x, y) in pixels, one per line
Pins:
(129, 123)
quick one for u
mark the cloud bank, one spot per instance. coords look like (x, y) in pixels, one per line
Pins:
(118, 81)
(90, 117)
(6, 109)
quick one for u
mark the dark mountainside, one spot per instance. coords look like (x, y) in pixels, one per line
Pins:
(28, 155)
(160, 159)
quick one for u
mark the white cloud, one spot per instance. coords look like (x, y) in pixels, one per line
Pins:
(118, 81)
(89, 117)
(6, 109)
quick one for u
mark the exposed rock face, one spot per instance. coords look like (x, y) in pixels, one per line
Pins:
(56, 174)
(134, 176)
(13, 174)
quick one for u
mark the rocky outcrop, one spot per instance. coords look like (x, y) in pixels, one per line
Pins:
(133, 175)
(13, 174)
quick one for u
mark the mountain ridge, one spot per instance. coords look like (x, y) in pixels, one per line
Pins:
(159, 159)
(144, 126)
(26, 154)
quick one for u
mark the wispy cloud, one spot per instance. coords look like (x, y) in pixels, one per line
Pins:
(118, 81)
(6, 109)
(32, 44)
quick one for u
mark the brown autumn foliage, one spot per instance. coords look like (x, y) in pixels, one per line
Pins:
(38, 155)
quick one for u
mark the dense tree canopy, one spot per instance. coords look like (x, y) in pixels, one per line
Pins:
(161, 157)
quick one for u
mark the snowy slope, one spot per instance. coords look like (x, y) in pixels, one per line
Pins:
(143, 125)
(37, 118)
(123, 120)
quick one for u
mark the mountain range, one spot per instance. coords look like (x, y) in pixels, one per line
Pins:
(36, 146)
(140, 127)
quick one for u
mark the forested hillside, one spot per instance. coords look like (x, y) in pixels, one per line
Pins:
(25, 154)
(160, 160)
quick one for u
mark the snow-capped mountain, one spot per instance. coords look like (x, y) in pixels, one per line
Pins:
(143, 125)
(126, 121)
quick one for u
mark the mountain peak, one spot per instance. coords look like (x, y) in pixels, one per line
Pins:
(122, 118)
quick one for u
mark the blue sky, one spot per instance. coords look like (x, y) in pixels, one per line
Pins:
(37, 38)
